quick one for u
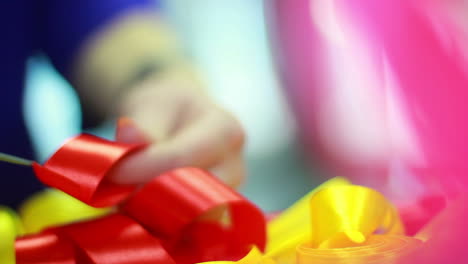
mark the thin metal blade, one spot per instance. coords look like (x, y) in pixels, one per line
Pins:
(14, 159)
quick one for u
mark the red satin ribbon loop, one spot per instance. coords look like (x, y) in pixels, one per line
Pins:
(174, 207)
(169, 205)
(115, 239)
(44, 248)
(79, 168)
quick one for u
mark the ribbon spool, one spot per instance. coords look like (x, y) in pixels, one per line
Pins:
(377, 249)
(345, 215)
(354, 224)
(292, 226)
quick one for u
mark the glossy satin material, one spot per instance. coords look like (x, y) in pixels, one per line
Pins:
(255, 256)
(52, 207)
(112, 239)
(45, 248)
(168, 220)
(338, 212)
(344, 216)
(293, 226)
(79, 168)
(173, 219)
(115, 239)
(354, 224)
(334, 212)
(180, 197)
(378, 249)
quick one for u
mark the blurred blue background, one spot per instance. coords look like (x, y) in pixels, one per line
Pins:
(229, 43)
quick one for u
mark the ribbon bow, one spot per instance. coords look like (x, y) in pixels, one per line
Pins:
(157, 223)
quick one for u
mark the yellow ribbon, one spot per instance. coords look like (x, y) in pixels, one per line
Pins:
(286, 231)
(343, 216)
(10, 227)
(44, 209)
(377, 249)
(254, 257)
(54, 208)
(292, 226)
(335, 223)
(353, 224)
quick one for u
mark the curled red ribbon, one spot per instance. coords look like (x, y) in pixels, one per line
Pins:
(115, 239)
(44, 248)
(169, 207)
(112, 239)
(179, 197)
(79, 168)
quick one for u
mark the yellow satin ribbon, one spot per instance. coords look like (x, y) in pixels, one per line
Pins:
(353, 224)
(54, 208)
(10, 227)
(335, 223)
(292, 226)
(286, 231)
(377, 249)
(45, 209)
(254, 257)
(343, 216)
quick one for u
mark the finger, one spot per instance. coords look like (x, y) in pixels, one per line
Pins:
(159, 109)
(155, 126)
(202, 144)
(231, 171)
(128, 132)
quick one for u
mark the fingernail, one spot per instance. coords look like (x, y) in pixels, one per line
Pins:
(127, 131)
(125, 122)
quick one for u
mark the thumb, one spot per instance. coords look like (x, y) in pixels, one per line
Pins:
(128, 132)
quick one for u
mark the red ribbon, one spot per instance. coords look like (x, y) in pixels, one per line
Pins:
(178, 197)
(112, 239)
(79, 168)
(159, 223)
(44, 248)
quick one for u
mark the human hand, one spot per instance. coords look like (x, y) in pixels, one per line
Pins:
(183, 127)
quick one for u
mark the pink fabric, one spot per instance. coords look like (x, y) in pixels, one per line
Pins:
(419, 43)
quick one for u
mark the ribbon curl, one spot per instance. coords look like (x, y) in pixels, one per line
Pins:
(80, 166)
(336, 223)
(162, 222)
(179, 197)
(343, 216)
(354, 224)
(293, 227)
